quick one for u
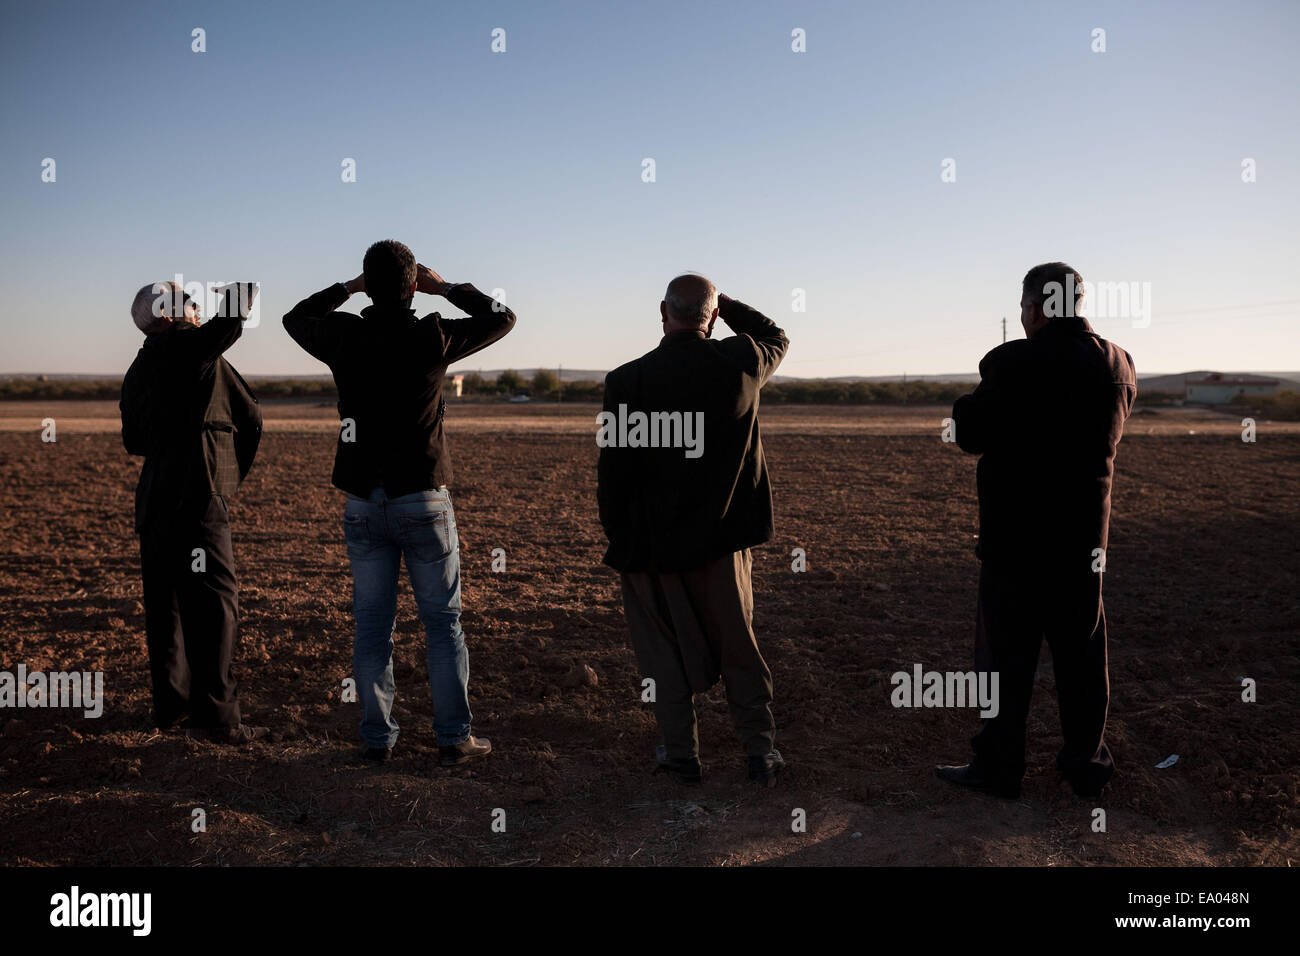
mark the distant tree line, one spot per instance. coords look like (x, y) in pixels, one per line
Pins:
(43, 388)
(1282, 407)
(863, 393)
(545, 385)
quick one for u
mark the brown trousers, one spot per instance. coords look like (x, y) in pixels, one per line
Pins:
(690, 628)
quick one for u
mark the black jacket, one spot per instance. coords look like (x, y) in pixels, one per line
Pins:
(1047, 416)
(663, 510)
(388, 366)
(192, 417)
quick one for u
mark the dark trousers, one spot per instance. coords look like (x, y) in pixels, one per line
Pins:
(191, 616)
(1018, 607)
(689, 628)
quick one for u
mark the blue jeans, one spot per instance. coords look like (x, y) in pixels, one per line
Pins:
(380, 531)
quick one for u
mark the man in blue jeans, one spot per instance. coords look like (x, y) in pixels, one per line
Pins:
(392, 463)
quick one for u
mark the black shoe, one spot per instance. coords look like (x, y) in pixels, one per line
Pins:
(686, 771)
(465, 750)
(378, 754)
(763, 769)
(1088, 790)
(972, 777)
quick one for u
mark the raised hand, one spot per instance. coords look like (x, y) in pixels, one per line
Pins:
(428, 281)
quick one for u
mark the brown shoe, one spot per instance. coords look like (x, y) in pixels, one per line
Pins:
(242, 734)
(465, 750)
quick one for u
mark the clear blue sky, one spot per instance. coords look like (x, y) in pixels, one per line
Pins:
(775, 170)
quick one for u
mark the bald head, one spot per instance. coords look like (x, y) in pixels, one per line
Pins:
(160, 304)
(691, 302)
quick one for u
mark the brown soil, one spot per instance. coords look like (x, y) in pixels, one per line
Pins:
(1200, 591)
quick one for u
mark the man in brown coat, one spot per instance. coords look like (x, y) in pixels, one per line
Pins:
(684, 494)
(1046, 417)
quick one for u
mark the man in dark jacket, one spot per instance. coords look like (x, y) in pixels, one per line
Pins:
(1046, 417)
(392, 463)
(197, 424)
(684, 494)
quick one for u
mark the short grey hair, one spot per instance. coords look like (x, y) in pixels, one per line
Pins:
(145, 313)
(691, 298)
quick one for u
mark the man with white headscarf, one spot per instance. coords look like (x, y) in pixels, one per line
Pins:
(197, 424)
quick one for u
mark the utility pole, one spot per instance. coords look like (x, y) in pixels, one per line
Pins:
(1004, 328)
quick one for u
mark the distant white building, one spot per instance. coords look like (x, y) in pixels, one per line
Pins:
(1219, 389)
(458, 382)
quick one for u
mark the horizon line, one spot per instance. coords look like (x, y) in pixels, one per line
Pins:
(535, 368)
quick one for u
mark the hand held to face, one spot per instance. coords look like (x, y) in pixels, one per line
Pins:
(428, 281)
(723, 302)
(241, 298)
